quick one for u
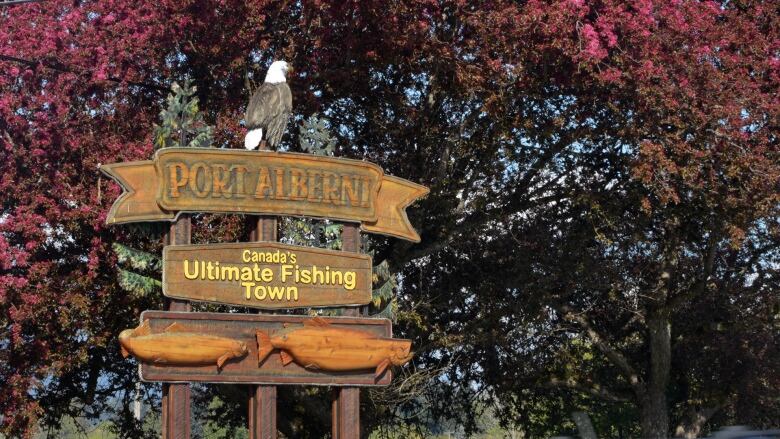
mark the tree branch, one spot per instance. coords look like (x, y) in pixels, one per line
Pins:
(588, 388)
(699, 286)
(16, 2)
(615, 357)
(58, 67)
(403, 252)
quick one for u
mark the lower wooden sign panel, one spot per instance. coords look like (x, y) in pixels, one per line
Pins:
(266, 275)
(275, 366)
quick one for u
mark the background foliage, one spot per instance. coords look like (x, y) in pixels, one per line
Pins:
(602, 231)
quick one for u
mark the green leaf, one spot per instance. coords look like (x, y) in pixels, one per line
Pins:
(137, 259)
(383, 293)
(382, 270)
(138, 284)
(182, 123)
(148, 231)
(314, 136)
(389, 311)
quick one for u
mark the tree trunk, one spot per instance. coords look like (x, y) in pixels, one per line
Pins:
(654, 417)
(584, 426)
(654, 410)
(691, 427)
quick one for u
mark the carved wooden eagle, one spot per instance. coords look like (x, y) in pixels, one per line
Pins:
(269, 108)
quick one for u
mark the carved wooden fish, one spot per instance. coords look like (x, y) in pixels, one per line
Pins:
(177, 346)
(318, 345)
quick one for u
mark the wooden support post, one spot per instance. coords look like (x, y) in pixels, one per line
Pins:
(262, 412)
(346, 413)
(176, 408)
(262, 399)
(346, 400)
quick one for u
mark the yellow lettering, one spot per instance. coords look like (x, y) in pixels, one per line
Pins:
(306, 276)
(275, 293)
(187, 274)
(256, 272)
(245, 255)
(315, 273)
(248, 286)
(267, 275)
(229, 273)
(286, 272)
(336, 274)
(350, 280)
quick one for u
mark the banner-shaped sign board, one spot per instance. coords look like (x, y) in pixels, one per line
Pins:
(206, 335)
(266, 275)
(263, 182)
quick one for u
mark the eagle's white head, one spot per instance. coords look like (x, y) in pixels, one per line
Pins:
(277, 72)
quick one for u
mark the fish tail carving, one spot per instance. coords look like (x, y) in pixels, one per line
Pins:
(264, 347)
(381, 368)
(286, 358)
(221, 360)
(142, 329)
(124, 338)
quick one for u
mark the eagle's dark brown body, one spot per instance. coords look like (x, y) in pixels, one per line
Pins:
(269, 109)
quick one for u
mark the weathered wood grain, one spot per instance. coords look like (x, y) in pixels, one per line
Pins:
(318, 345)
(262, 398)
(346, 276)
(263, 182)
(243, 328)
(346, 400)
(346, 413)
(262, 412)
(176, 345)
(267, 182)
(177, 400)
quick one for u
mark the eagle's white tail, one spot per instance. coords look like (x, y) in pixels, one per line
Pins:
(253, 138)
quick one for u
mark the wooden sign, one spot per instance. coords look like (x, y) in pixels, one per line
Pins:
(266, 275)
(319, 345)
(177, 345)
(239, 347)
(263, 182)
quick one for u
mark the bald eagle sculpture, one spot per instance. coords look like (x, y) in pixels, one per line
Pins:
(269, 108)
